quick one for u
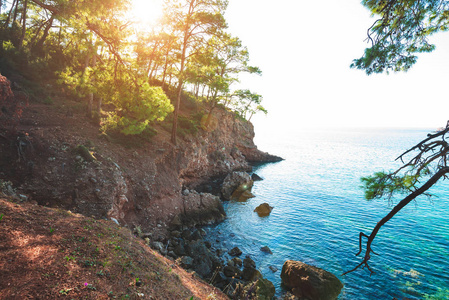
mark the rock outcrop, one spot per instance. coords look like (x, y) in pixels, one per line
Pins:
(237, 186)
(309, 282)
(67, 164)
(263, 210)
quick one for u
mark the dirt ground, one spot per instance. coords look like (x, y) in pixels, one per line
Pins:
(49, 253)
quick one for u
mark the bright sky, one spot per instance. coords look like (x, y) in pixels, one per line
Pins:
(304, 49)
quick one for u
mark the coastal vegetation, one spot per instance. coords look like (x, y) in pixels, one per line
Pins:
(400, 32)
(129, 75)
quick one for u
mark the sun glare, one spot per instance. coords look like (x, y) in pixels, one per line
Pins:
(146, 12)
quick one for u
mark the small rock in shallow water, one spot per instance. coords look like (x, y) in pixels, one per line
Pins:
(273, 269)
(222, 251)
(230, 263)
(266, 250)
(237, 261)
(231, 271)
(263, 210)
(235, 251)
(248, 262)
(196, 236)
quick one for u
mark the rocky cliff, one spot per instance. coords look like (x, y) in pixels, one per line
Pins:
(58, 159)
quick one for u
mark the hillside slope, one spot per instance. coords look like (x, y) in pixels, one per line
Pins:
(51, 253)
(59, 159)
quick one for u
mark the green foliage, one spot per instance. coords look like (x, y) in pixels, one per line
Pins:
(401, 33)
(87, 46)
(246, 104)
(383, 184)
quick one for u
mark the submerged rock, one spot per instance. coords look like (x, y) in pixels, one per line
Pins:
(263, 210)
(266, 249)
(310, 282)
(273, 269)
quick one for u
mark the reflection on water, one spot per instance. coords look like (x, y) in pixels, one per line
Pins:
(319, 211)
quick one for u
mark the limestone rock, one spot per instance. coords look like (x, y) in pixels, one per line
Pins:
(205, 262)
(248, 262)
(262, 289)
(237, 261)
(202, 209)
(236, 181)
(310, 282)
(251, 274)
(158, 246)
(265, 289)
(231, 271)
(263, 210)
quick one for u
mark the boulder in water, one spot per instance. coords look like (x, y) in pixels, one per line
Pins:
(263, 210)
(266, 249)
(310, 282)
(235, 251)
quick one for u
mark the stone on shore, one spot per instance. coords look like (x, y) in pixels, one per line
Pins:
(310, 282)
(263, 210)
(235, 251)
(265, 289)
(256, 177)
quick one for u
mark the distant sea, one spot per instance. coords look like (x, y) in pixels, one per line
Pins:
(319, 210)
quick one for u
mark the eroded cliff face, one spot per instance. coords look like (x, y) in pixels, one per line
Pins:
(152, 186)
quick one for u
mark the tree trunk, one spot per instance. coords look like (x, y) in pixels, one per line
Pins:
(176, 113)
(99, 101)
(180, 83)
(15, 12)
(91, 95)
(40, 44)
(24, 23)
(404, 202)
(14, 3)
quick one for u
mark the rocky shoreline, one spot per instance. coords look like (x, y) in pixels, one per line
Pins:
(230, 270)
(164, 193)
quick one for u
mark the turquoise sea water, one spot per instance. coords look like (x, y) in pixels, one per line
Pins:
(319, 211)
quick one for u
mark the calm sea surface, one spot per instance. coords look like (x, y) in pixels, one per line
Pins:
(319, 211)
